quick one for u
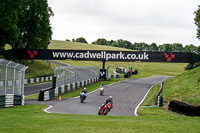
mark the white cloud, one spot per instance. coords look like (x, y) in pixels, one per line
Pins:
(159, 21)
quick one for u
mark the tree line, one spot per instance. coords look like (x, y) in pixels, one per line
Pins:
(153, 47)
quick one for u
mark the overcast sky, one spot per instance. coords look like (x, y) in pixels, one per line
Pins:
(159, 21)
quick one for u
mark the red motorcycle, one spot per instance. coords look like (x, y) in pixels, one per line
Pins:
(104, 109)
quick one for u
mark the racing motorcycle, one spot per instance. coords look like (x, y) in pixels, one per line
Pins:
(82, 97)
(104, 109)
(101, 91)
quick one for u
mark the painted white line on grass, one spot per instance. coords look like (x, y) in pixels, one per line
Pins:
(45, 110)
(135, 112)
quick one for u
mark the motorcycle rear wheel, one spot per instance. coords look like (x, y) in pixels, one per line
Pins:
(81, 101)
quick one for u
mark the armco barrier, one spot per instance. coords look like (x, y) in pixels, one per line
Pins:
(9, 100)
(31, 80)
(38, 79)
(51, 93)
(184, 109)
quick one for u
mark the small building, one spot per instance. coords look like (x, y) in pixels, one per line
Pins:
(11, 83)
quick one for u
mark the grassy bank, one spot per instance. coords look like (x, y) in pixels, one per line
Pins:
(184, 88)
(55, 44)
(39, 68)
(145, 69)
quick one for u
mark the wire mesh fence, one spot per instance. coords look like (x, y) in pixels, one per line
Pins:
(11, 77)
(67, 75)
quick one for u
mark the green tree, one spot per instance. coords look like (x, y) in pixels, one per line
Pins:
(113, 44)
(198, 49)
(190, 48)
(165, 48)
(73, 40)
(81, 39)
(110, 42)
(137, 46)
(124, 44)
(101, 41)
(67, 40)
(197, 21)
(34, 24)
(9, 31)
(153, 47)
(141, 46)
(177, 47)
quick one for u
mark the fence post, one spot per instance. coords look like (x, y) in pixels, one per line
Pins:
(54, 82)
(158, 94)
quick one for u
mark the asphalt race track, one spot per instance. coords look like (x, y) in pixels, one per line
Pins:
(126, 97)
(33, 89)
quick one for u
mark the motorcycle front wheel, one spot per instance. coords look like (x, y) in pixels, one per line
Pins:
(105, 112)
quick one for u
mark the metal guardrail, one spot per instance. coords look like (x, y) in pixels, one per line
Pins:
(11, 83)
(12, 77)
(67, 75)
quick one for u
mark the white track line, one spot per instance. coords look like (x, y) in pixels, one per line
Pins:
(45, 110)
(142, 101)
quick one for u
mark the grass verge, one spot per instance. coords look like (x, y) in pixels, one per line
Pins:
(38, 69)
(31, 119)
(183, 87)
(34, 96)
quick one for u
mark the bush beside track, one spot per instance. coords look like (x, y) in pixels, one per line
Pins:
(184, 109)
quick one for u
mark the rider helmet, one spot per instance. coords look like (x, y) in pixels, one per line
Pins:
(110, 97)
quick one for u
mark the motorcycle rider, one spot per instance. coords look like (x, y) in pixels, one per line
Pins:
(102, 85)
(101, 89)
(109, 100)
(83, 94)
(84, 90)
